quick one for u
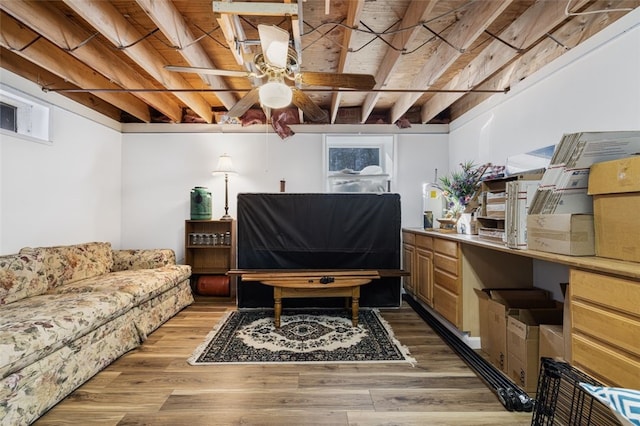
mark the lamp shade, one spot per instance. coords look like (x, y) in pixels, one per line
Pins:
(275, 95)
(224, 165)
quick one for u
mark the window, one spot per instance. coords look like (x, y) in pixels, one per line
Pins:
(22, 115)
(353, 158)
(362, 163)
(8, 117)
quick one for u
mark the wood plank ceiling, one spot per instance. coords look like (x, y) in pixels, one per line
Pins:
(432, 60)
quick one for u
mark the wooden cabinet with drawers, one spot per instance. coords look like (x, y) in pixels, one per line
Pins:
(603, 300)
(447, 282)
(417, 259)
(424, 269)
(605, 327)
(408, 261)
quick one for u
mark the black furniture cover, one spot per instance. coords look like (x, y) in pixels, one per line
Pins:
(319, 231)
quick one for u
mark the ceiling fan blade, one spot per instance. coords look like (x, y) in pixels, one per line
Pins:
(310, 109)
(347, 81)
(245, 103)
(275, 44)
(211, 71)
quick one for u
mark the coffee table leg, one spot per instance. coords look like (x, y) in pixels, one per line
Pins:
(355, 305)
(277, 306)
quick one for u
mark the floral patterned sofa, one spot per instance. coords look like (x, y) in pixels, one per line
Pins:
(67, 312)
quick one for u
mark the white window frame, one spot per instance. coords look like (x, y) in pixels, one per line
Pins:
(33, 116)
(385, 143)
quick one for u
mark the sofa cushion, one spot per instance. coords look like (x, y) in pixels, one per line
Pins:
(21, 276)
(141, 284)
(67, 264)
(142, 259)
(26, 394)
(37, 326)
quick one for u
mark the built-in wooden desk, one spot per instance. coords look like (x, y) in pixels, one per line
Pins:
(603, 297)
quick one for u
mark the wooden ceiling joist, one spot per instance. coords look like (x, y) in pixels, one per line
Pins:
(526, 30)
(40, 76)
(473, 23)
(63, 32)
(31, 46)
(172, 24)
(416, 12)
(255, 8)
(544, 52)
(353, 17)
(106, 19)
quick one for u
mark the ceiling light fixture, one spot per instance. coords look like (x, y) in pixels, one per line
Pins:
(275, 94)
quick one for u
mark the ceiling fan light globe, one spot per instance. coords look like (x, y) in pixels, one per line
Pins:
(275, 95)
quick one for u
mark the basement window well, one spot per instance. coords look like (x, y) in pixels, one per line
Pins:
(23, 116)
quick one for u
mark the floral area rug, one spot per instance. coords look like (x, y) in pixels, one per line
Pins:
(321, 336)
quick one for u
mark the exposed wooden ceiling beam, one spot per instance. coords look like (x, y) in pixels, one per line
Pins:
(235, 37)
(354, 12)
(169, 20)
(40, 76)
(29, 45)
(255, 8)
(104, 17)
(296, 29)
(415, 13)
(473, 23)
(526, 30)
(67, 35)
(569, 35)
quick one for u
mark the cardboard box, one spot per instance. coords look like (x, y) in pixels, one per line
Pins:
(615, 186)
(569, 234)
(566, 321)
(494, 307)
(523, 340)
(552, 341)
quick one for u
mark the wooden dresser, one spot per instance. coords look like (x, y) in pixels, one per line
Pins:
(605, 318)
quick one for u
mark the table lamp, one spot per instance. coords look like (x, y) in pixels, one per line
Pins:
(225, 166)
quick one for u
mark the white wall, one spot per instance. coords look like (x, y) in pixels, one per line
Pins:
(64, 192)
(418, 158)
(159, 171)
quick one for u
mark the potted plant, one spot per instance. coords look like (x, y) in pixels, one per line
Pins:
(460, 189)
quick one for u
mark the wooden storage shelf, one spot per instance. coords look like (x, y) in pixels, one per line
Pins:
(491, 215)
(211, 259)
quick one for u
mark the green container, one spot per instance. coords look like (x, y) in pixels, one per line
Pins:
(200, 203)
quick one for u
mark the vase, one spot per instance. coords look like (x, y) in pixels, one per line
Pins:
(200, 203)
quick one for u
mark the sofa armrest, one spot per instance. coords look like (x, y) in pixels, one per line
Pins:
(142, 259)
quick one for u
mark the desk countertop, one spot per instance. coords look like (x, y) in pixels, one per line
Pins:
(591, 263)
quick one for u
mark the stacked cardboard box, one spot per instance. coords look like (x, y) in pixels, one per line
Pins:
(615, 186)
(552, 341)
(523, 343)
(495, 306)
(563, 190)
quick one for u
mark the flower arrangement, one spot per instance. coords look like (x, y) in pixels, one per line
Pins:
(460, 187)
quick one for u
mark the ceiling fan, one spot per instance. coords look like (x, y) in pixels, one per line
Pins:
(279, 71)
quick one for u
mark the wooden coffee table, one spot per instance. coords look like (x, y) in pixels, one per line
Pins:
(302, 284)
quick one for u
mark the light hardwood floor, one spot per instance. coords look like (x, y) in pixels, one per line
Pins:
(154, 385)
